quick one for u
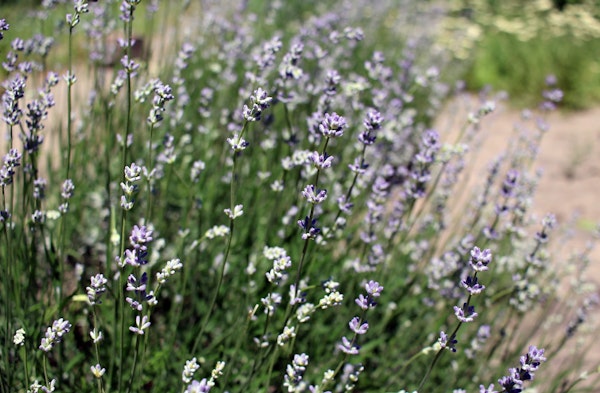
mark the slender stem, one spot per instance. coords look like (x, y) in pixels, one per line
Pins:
(7, 285)
(26, 367)
(227, 249)
(45, 368)
(149, 166)
(433, 362)
(128, 28)
(135, 359)
(69, 104)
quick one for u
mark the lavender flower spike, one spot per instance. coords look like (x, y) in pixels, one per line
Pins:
(480, 259)
(513, 383)
(54, 334)
(333, 125)
(141, 325)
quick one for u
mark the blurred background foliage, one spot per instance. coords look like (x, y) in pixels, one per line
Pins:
(510, 45)
(513, 45)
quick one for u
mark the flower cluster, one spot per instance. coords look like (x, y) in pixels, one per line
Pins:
(96, 288)
(281, 262)
(190, 368)
(19, 337)
(479, 262)
(81, 7)
(170, 268)
(11, 160)
(138, 240)
(332, 297)
(67, 193)
(516, 378)
(333, 125)
(15, 90)
(357, 324)
(130, 187)
(54, 334)
(204, 385)
(162, 95)
(293, 380)
(260, 101)
(3, 27)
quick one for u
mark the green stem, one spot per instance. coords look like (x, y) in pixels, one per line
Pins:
(149, 166)
(128, 28)
(227, 251)
(133, 368)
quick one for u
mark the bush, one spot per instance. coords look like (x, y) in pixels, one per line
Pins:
(262, 205)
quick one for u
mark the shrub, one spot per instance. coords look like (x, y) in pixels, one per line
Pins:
(263, 206)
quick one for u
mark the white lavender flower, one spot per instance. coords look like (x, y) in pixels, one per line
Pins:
(19, 337)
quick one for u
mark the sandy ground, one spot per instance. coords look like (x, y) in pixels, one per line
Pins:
(568, 159)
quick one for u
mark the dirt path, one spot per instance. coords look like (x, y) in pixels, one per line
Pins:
(569, 158)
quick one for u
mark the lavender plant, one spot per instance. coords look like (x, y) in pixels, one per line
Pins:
(237, 205)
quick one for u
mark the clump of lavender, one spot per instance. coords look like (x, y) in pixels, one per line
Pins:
(378, 203)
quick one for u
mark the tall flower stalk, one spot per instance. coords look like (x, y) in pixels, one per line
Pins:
(260, 100)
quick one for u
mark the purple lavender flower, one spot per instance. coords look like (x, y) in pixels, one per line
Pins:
(332, 80)
(310, 229)
(514, 381)
(260, 101)
(67, 189)
(198, 387)
(127, 8)
(54, 334)
(373, 288)
(3, 27)
(509, 183)
(320, 161)
(372, 123)
(129, 65)
(480, 259)
(293, 379)
(11, 160)
(357, 327)
(333, 125)
(96, 289)
(348, 347)
(447, 342)
(289, 67)
(466, 313)
(15, 90)
(140, 236)
(162, 95)
(268, 53)
(314, 196)
(133, 285)
(472, 286)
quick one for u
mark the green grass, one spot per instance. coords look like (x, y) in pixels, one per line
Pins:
(520, 68)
